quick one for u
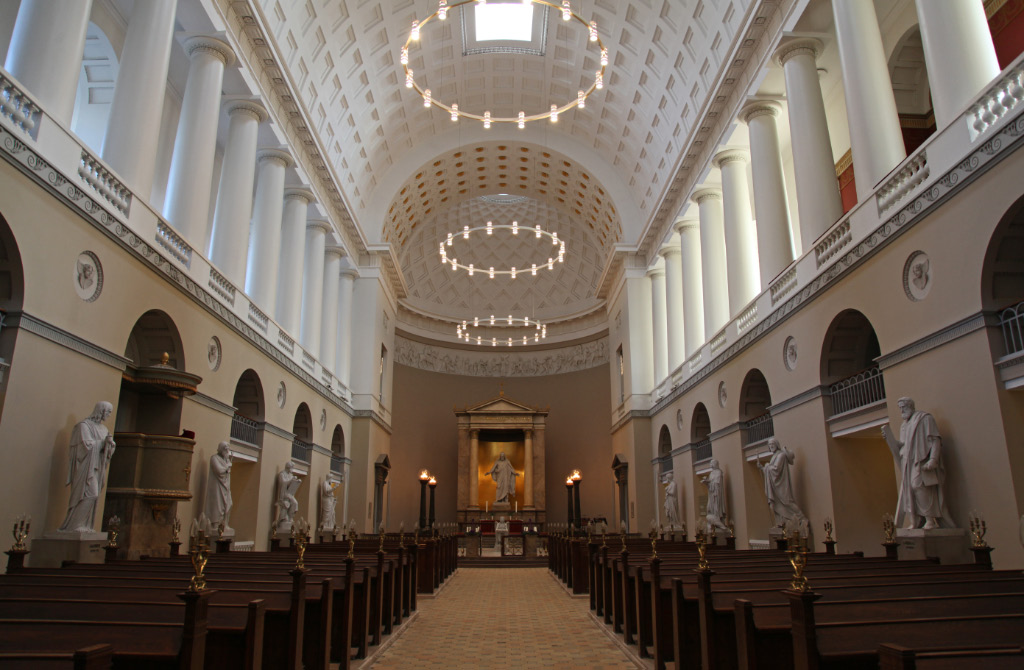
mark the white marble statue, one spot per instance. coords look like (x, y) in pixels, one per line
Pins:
(90, 450)
(287, 484)
(218, 488)
(504, 476)
(671, 499)
(500, 531)
(779, 488)
(327, 503)
(918, 456)
(715, 481)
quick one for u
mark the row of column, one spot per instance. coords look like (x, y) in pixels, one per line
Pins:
(720, 260)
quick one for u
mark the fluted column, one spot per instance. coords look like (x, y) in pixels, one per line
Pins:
(45, 53)
(875, 136)
(959, 53)
(293, 247)
(230, 236)
(187, 205)
(133, 127)
(474, 466)
(329, 310)
(740, 234)
(712, 255)
(817, 190)
(265, 240)
(774, 236)
(313, 284)
(346, 284)
(660, 320)
(528, 469)
(674, 322)
(693, 284)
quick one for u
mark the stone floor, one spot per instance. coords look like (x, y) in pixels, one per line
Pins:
(503, 618)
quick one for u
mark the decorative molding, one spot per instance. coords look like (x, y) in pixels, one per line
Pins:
(726, 430)
(278, 431)
(488, 363)
(797, 400)
(65, 339)
(212, 403)
(374, 416)
(627, 417)
(936, 339)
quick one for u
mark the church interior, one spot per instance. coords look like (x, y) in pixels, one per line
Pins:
(740, 271)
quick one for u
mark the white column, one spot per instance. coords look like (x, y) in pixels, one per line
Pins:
(774, 236)
(740, 234)
(693, 284)
(959, 53)
(229, 240)
(187, 204)
(875, 135)
(712, 255)
(313, 284)
(344, 330)
(817, 190)
(45, 54)
(674, 322)
(265, 239)
(657, 275)
(329, 311)
(133, 127)
(293, 247)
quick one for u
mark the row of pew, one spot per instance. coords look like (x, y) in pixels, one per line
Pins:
(256, 609)
(748, 610)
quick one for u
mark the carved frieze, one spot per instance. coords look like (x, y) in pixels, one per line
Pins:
(487, 363)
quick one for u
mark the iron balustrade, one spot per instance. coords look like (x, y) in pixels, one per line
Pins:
(245, 430)
(1012, 321)
(859, 390)
(759, 428)
(301, 450)
(702, 450)
(336, 464)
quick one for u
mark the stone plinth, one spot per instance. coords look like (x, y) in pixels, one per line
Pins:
(949, 545)
(472, 546)
(530, 543)
(50, 550)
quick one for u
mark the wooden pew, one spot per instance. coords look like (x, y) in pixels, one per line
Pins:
(93, 657)
(896, 657)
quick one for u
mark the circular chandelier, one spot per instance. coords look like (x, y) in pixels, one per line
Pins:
(490, 271)
(540, 330)
(521, 119)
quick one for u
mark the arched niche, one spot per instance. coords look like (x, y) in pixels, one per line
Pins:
(12, 291)
(1002, 280)
(302, 428)
(755, 399)
(247, 423)
(700, 424)
(848, 367)
(665, 449)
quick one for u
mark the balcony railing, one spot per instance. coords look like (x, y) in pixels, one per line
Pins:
(336, 464)
(1012, 321)
(301, 450)
(702, 450)
(864, 388)
(245, 430)
(759, 428)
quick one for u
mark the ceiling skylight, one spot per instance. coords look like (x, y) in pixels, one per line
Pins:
(511, 21)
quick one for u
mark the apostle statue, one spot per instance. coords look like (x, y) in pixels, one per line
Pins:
(779, 488)
(671, 499)
(90, 450)
(218, 488)
(918, 456)
(327, 503)
(287, 484)
(504, 477)
(715, 481)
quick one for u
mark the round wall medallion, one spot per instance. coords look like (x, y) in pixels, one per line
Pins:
(323, 419)
(213, 353)
(789, 353)
(917, 276)
(282, 394)
(722, 396)
(88, 276)
(679, 419)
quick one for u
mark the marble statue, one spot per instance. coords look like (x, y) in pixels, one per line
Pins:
(500, 531)
(715, 481)
(327, 503)
(671, 499)
(218, 488)
(90, 450)
(504, 477)
(779, 488)
(918, 456)
(287, 484)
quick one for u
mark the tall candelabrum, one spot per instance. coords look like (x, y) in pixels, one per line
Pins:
(433, 485)
(576, 479)
(568, 491)
(424, 478)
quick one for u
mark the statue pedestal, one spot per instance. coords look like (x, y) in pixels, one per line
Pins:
(949, 545)
(55, 547)
(502, 507)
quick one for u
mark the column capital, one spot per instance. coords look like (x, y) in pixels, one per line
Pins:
(334, 251)
(299, 193)
(686, 225)
(279, 155)
(349, 272)
(313, 224)
(730, 156)
(800, 46)
(757, 108)
(253, 108)
(210, 45)
(669, 249)
(707, 193)
(657, 271)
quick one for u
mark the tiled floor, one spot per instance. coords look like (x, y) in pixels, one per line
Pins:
(503, 618)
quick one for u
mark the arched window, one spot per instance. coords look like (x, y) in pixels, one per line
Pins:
(755, 399)
(302, 427)
(848, 364)
(247, 423)
(1002, 281)
(665, 449)
(337, 449)
(700, 433)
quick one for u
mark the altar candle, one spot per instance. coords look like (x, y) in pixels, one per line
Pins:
(517, 507)
(486, 503)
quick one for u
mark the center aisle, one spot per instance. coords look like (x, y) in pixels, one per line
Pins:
(503, 618)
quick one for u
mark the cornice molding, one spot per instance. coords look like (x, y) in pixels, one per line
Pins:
(48, 331)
